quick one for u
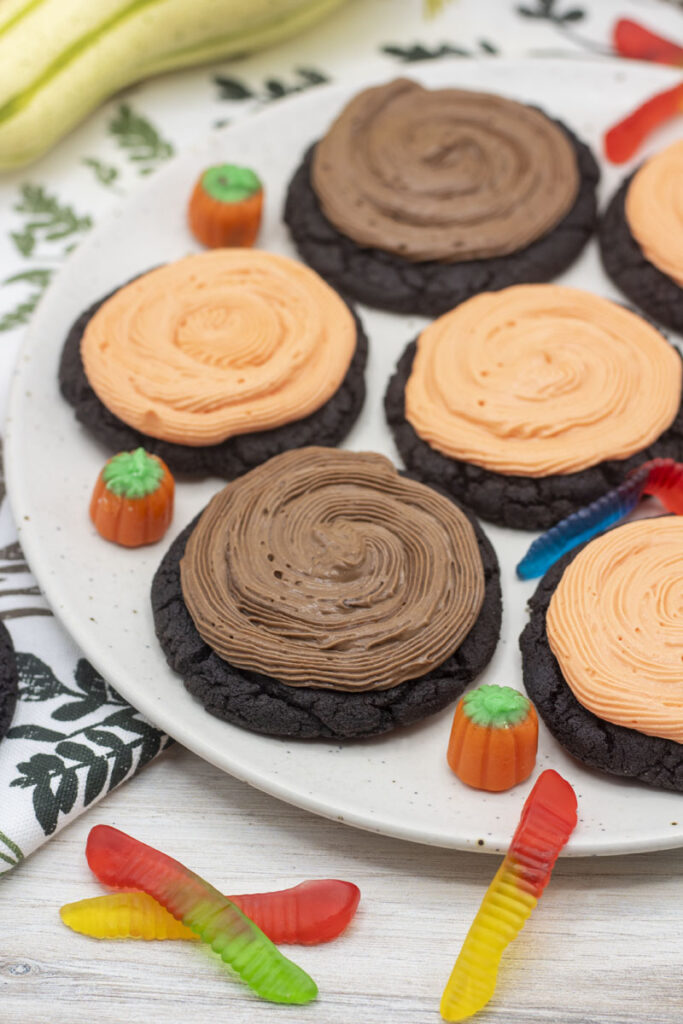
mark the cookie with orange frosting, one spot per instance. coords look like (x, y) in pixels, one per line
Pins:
(416, 199)
(528, 403)
(325, 594)
(9, 681)
(602, 651)
(216, 362)
(641, 237)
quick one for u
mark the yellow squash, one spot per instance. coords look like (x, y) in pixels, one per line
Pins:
(61, 58)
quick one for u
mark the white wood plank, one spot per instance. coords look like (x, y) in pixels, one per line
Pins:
(604, 946)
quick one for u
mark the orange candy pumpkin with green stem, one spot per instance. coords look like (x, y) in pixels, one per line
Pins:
(494, 738)
(132, 503)
(226, 206)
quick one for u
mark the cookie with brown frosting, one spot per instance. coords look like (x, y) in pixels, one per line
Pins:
(602, 663)
(9, 681)
(217, 362)
(324, 594)
(416, 199)
(529, 403)
(640, 234)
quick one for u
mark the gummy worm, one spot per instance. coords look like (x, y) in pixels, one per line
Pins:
(636, 41)
(122, 862)
(548, 819)
(662, 478)
(308, 913)
(625, 138)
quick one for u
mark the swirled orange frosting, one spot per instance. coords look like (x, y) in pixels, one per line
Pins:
(615, 625)
(541, 379)
(221, 343)
(327, 568)
(443, 174)
(654, 210)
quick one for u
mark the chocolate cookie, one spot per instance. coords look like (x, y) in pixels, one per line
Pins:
(520, 502)
(327, 426)
(9, 681)
(624, 261)
(598, 744)
(263, 704)
(382, 279)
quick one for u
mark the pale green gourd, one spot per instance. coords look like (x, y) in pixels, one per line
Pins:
(59, 59)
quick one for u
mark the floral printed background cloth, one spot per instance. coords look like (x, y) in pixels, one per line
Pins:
(73, 738)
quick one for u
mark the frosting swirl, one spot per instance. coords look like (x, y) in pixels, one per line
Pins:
(224, 342)
(654, 210)
(540, 379)
(615, 625)
(326, 568)
(446, 175)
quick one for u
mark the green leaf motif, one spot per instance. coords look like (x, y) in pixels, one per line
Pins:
(418, 52)
(232, 89)
(151, 744)
(45, 806)
(76, 752)
(95, 780)
(104, 738)
(312, 77)
(12, 552)
(24, 241)
(51, 221)
(34, 732)
(574, 15)
(272, 89)
(139, 138)
(123, 762)
(114, 697)
(106, 174)
(275, 89)
(14, 854)
(90, 681)
(40, 765)
(67, 791)
(77, 709)
(128, 719)
(547, 10)
(37, 681)
(21, 313)
(40, 277)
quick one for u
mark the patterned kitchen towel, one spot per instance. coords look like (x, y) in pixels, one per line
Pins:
(72, 740)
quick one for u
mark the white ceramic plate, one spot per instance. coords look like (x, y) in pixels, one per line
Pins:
(399, 784)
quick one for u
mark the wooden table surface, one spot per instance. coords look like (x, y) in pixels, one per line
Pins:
(604, 946)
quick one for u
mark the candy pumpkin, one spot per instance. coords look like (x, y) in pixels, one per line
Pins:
(132, 503)
(494, 738)
(226, 206)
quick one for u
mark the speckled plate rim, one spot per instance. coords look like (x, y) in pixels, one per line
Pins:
(394, 785)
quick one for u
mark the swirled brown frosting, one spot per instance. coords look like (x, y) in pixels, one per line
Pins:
(615, 625)
(221, 343)
(445, 175)
(326, 568)
(541, 379)
(654, 210)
